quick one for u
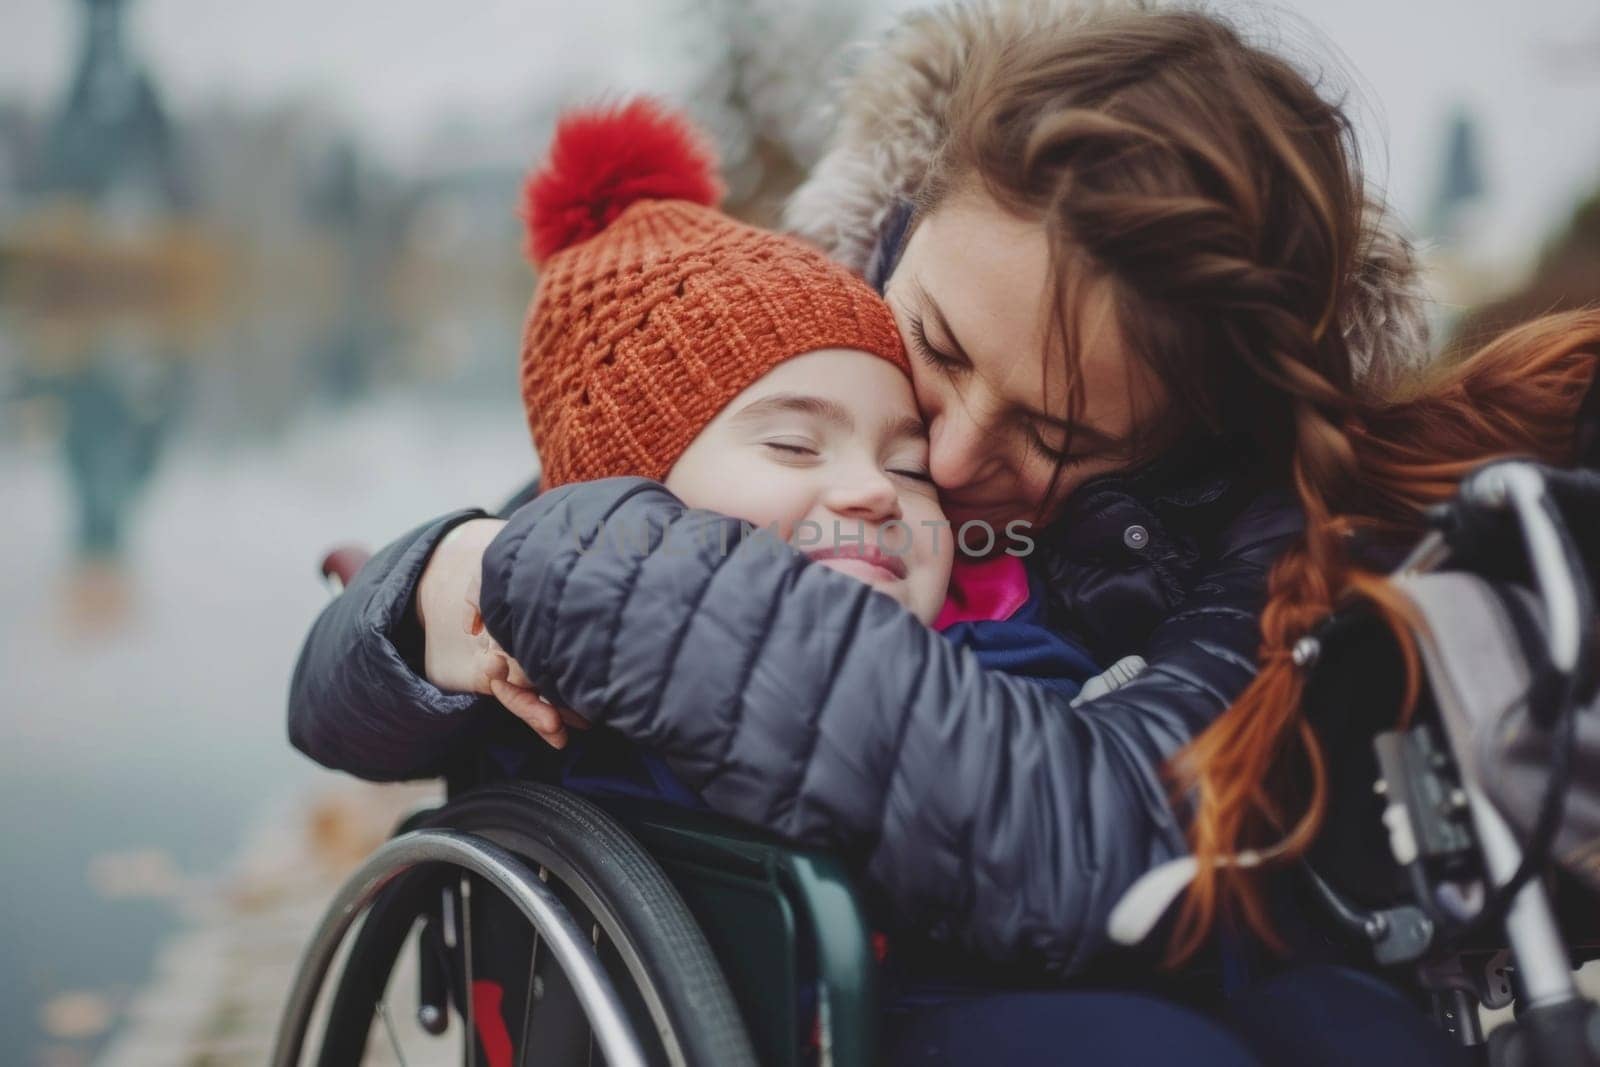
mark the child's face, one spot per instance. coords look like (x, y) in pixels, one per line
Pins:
(829, 448)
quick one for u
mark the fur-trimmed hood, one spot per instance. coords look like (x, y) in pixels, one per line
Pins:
(889, 120)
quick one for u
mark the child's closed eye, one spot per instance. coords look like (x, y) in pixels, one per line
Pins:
(791, 446)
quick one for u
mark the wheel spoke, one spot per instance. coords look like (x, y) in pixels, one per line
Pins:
(527, 999)
(594, 939)
(466, 943)
(388, 1027)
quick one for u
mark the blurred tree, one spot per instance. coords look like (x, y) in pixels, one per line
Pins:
(763, 72)
(1461, 272)
(1461, 183)
(1567, 277)
(347, 205)
(111, 150)
(112, 137)
(105, 278)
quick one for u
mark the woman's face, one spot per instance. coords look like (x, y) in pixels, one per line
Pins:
(973, 299)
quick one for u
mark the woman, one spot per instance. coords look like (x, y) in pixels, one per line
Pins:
(1151, 307)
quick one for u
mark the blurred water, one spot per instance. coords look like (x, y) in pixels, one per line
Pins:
(160, 731)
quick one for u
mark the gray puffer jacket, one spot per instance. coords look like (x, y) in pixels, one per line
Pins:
(987, 810)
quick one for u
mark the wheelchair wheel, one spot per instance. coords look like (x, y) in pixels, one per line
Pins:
(641, 964)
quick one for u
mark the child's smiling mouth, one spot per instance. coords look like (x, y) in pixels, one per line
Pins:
(867, 562)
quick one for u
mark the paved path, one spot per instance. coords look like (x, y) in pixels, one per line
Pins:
(219, 986)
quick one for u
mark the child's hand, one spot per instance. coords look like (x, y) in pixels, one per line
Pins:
(546, 720)
(458, 654)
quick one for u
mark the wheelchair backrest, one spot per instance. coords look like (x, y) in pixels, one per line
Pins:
(1480, 641)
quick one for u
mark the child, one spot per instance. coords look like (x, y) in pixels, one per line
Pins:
(753, 377)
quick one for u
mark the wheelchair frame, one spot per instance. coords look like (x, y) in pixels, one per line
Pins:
(1436, 807)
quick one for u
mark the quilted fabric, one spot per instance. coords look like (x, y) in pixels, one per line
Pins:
(989, 812)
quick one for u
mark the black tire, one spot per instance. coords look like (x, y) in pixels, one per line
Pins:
(682, 1008)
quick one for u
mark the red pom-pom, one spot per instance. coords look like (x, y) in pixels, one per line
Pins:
(604, 159)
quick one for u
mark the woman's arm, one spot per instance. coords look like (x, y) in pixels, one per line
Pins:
(359, 701)
(990, 810)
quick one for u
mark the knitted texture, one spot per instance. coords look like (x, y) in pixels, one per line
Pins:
(640, 334)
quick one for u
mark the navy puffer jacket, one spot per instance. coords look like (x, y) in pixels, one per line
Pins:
(987, 810)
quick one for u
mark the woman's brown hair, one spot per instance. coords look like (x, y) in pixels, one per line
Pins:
(1217, 192)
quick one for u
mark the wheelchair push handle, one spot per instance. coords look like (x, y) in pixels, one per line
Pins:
(340, 566)
(1533, 495)
(1529, 492)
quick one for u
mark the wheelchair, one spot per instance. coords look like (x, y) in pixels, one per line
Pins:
(1461, 856)
(1461, 848)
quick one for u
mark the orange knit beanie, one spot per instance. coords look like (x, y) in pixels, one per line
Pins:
(654, 309)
